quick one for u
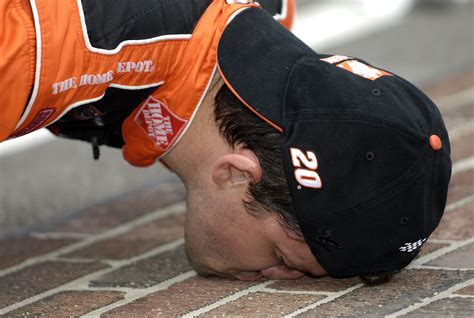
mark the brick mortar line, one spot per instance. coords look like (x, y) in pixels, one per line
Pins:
(77, 260)
(175, 209)
(442, 268)
(442, 241)
(456, 100)
(460, 203)
(124, 290)
(82, 283)
(295, 292)
(153, 252)
(324, 301)
(441, 252)
(461, 130)
(134, 295)
(65, 287)
(463, 165)
(460, 296)
(444, 294)
(59, 235)
(228, 299)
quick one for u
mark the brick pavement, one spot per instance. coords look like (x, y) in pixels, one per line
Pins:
(125, 258)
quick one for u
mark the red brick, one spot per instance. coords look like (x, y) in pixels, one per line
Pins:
(123, 209)
(325, 284)
(429, 248)
(461, 186)
(460, 258)
(39, 278)
(135, 242)
(465, 112)
(407, 288)
(451, 86)
(264, 305)
(15, 251)
(463, 148)
(181, 298)
(452, 122)
(69, 304)
(456, 225)
(447, 307)
(457, 117)
(147, 272)
(469, 290)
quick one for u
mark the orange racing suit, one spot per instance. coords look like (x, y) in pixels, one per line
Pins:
(124, 73)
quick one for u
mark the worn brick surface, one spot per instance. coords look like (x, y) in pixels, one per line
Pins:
(181, 298)
(469, 290)
(460, 258)
(39, 278)
(454, 122)
(457, 225)
(463, 147)
(148, 272)
(465, 113)
(443, 308)
(429, 247)
(15, 251)
(325, 284)
(461, 186)
(264, 305)
(405, 289)
(68, 304)
(137, 241)
(450, 86)
(123, 209)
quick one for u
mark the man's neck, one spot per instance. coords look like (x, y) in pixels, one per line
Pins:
(201, 143)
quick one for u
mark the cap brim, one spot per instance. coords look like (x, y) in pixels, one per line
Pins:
(255, 57)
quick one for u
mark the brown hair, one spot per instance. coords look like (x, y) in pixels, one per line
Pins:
(241, 128)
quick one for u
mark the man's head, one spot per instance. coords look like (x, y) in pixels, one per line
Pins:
(352, 157)
(240, 221)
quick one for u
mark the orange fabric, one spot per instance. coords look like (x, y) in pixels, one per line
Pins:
(17, 62)
(71, 74)
(145, 138)
(289, 19)
(53, 69)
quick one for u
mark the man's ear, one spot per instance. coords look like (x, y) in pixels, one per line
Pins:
(237, 169)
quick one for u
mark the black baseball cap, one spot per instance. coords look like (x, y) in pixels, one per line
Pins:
(366, 154)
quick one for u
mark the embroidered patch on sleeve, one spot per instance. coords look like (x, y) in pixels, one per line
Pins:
(160, 123)
(42, 117)
(363, 70)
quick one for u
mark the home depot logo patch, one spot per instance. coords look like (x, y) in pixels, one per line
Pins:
(42, 117)
(159, 123)
(363, 70)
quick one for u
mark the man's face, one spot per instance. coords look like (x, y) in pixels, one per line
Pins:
(224, 239)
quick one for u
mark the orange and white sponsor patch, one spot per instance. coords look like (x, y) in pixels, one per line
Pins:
(335, 59)
(363, 70)
(160, 123)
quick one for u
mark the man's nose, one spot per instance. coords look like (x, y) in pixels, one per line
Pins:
(281, 272)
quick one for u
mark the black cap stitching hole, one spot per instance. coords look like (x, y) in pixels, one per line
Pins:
(376, 92)
(370, 156)
(404, 220)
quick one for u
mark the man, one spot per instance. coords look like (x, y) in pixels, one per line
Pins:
(294, 162)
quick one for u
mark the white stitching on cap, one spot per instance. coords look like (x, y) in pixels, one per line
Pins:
(410, 247)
